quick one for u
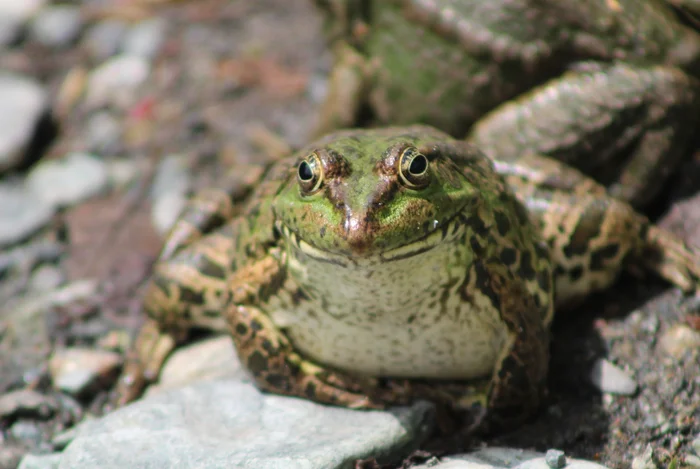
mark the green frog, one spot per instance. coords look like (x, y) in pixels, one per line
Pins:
(607, 86)
(375, 267)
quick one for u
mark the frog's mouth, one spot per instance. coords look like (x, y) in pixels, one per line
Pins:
(442, 232)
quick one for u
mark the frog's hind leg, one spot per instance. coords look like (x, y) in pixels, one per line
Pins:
(593, 237)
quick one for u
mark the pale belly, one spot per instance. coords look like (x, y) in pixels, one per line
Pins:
(406, 318)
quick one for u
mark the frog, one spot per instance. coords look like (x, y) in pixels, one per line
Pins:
(376, 267)
(607, 86)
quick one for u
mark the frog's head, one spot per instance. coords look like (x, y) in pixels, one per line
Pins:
(367, 193)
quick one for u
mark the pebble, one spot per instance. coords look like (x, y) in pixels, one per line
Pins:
(611, 379)
(145, 38)
(555, 458)
(76, 370)
(205, 360)
(503, 458)
(227, 423)
(23, 101)
(43, 461)
(679, 339)
(67, 181)
(13, 15)
(696, 445)
(26, 431)
(22, 212)
(114, 83)
(47, 278)
(645, 460)
(169, 191)
(122, 171)
(26, 403)
(103, 39)
(57, 26)
(103, 132)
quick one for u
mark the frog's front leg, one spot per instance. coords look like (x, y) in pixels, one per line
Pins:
(267, 353)
(628, 126)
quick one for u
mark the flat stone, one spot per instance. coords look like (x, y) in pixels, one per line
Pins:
(57, 25)
(224, 424)
(74, 370)
(504, 458)
(678, 340)
(115, 82)
(22, 213)
(44, 461)
(67, 181)
(22, 103)
(145, 38)
(611, 379)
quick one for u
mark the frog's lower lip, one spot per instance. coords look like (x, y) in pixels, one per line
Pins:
(422, 245)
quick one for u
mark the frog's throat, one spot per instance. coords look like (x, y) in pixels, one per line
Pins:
(445, 232)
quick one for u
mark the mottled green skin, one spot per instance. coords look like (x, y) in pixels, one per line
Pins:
(453, 63)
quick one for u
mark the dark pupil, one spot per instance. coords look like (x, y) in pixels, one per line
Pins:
(418, 165)
(305, 173)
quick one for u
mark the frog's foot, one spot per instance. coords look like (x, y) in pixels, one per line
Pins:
(276, 367)
(144, 361)
(673, 259)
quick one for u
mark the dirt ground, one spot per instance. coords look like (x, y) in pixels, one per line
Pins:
(260, 65)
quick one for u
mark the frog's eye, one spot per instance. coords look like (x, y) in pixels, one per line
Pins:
(414, 168)
(310, 174)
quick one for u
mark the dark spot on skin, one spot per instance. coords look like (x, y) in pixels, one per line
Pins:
(599, 256)
(526, 269)
(455, 226)
(211, 269)
(559, 271)
(543, 280)
(241, 329)
(277, 381)
(502, 223)
(255, 325)
(508, 256)
(587, 229)
(477, 225)
(576, 273)
(322, 232)
(257, 363)
(310, 390)
(483, 284)
(187, 295)
(298, 296)
(267, 346)
(411, 318)
(474, 243)
(521, 213)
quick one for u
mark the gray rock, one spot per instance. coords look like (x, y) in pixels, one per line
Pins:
(57, 26)
(21, 212)
(504, 458)
(22, 103)
(26, 431)
(645, 460)
(114, 83)
(609, 378)
(64, 182)
(678, 340)
(145, 38)
(104, 38)
(104, 132)
(44, 461)
(169, 190)
(696, 445)
(223, 424)
(74, 370)
(46, 278)
(555, 459)
(13, 15)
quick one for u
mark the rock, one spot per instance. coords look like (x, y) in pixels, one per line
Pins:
(205, 360)
(13, 15)
(645, 460)
(114, 83)
(67, 181)
(555, 459)
(231, 424)
(26, 403)
(145, 38)
(26, 431)
(10, 453)
(104, 132)
(122, 172)
(696, 445)
(104, 38)
(504, 458)
(678, 340)
(611, 379)
(44, 461)
(75, 370)
(57, 25)
(23, 101)
(169, 191)
(22, 212)
(46, 278)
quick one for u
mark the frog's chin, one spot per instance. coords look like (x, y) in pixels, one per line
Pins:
(442, 233)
